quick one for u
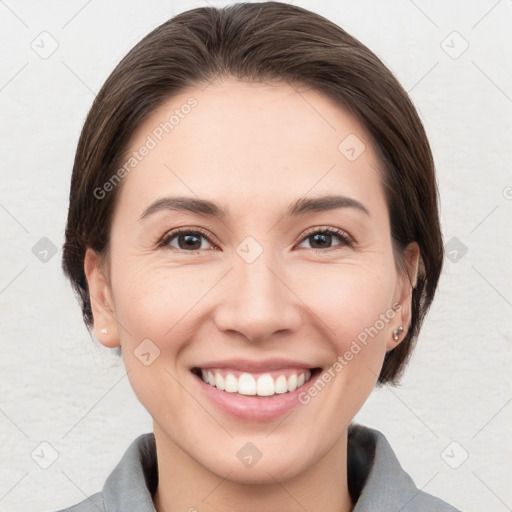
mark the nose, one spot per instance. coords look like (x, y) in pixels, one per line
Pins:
(257, 301)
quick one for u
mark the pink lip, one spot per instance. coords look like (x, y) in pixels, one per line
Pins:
(253, 408)
(246, 365)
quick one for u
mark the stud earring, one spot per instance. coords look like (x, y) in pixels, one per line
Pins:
(104, 331)
(397, 332)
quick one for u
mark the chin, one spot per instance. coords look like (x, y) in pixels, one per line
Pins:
(246, 464)
(262, 473)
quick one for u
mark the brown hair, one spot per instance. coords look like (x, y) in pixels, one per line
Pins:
(268, 41)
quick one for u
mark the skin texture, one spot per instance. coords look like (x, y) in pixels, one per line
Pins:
(253, 149)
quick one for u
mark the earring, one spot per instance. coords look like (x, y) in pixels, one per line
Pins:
(104, 331)
(396, 332)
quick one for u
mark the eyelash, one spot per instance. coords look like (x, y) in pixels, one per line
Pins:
(346, 240)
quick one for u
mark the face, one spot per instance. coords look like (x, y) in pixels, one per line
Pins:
(251, 250)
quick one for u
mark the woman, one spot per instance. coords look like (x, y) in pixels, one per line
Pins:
(253, 221)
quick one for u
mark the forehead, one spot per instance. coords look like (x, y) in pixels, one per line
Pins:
(249, 140)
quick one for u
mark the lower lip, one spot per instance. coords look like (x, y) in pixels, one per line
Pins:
(251, 407)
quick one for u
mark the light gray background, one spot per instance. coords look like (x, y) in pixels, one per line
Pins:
(60, 388)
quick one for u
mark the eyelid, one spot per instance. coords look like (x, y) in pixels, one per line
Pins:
(341, 233)
(187, 229)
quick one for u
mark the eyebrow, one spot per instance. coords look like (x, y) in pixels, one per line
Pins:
(208, 208)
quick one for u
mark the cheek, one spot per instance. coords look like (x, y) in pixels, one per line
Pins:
(353, 308)
(350, 297)
(159, 302)
(154, 301)
(156, 307)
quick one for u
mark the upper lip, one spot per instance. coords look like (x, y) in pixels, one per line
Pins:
(247, 365)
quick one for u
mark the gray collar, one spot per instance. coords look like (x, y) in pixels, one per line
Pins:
(376, 479)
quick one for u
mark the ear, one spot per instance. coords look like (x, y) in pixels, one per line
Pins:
(104, 320)
(406, 283)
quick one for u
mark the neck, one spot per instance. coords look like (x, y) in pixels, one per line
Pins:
(184, 484)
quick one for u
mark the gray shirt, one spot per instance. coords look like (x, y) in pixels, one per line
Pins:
(376, 481)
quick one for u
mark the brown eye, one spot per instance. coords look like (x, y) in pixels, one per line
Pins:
(186, 240)
(326, 239)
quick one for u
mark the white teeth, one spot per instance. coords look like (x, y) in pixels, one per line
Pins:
(292, 382)
(231, 383)
(265, 385)
(281, 386)
(246, 384)
(219, 381)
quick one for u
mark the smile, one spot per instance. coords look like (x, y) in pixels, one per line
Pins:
(260, 384)
(252, 390)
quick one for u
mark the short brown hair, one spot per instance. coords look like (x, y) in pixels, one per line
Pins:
(268, 41)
